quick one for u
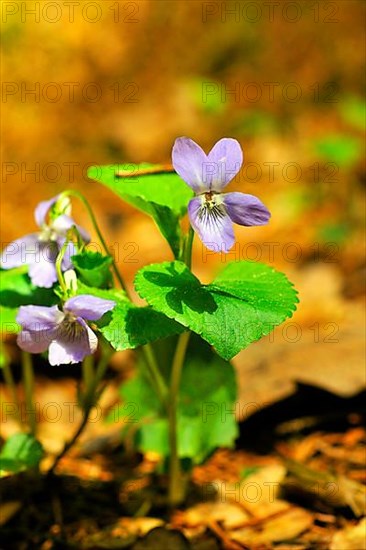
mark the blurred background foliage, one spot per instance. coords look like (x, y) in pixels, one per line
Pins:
(119, 81)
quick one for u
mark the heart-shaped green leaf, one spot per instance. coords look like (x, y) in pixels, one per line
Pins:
(245, 302)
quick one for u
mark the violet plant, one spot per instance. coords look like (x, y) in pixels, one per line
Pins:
(66, 302)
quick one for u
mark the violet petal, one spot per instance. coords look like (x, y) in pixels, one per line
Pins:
(63, 223)
(226, 158)
(63, 351)
(39, 318)
(34, 342)
(22, 251)
(189, 161)
(215, 230)
(88, 307)
(43, 272)
(245, 209)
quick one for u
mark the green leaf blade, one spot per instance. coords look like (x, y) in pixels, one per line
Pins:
(206, 400)
(161, 188)
(162, 195)
(20, 451)
(16, 289)
(245, 302)
(93, 268)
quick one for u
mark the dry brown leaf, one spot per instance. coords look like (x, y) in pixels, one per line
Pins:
(354, 495)
(335, 490)
(224, 537)
(228, 514)
(350, 538)
(281, 528)
(257, 493)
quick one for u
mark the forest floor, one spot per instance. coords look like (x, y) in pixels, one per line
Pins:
(295, 481)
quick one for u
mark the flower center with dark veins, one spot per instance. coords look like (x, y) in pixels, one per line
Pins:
(212, 207)
(70, 329)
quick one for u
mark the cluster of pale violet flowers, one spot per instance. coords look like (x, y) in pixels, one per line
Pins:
(39, 250)
(64, 332)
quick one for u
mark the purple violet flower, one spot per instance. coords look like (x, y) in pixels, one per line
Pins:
(212, 212)
(40, 250)
(65, 333)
